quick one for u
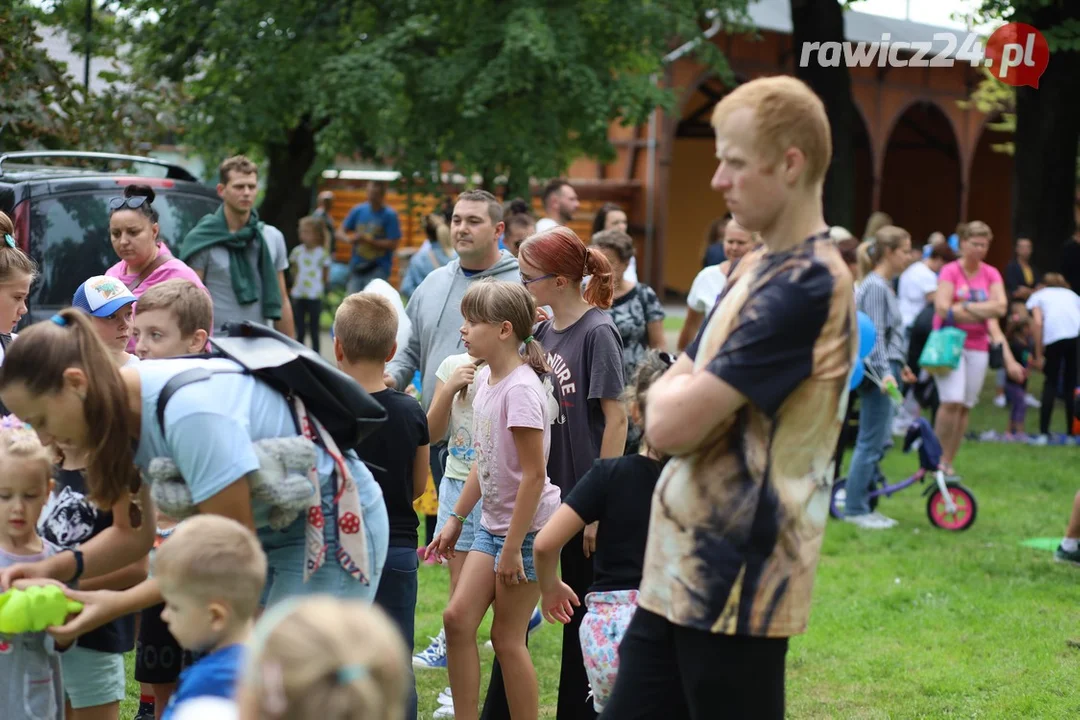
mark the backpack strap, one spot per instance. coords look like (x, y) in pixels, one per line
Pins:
(187, 377)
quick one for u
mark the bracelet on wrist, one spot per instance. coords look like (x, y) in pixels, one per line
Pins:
(461, 518)
(78, 565)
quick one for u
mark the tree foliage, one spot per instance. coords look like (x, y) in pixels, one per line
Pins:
(249, 71)
(517, 89)
(45, 105)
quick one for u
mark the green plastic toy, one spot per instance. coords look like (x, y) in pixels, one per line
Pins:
(34, 609)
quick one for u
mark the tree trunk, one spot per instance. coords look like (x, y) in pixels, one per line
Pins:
(288, 198)
(1047, 138)
(823, 21)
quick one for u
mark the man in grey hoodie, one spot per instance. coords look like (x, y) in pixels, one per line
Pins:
(435, 307)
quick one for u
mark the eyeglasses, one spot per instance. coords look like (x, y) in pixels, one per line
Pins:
(527, 281)
(131, 203)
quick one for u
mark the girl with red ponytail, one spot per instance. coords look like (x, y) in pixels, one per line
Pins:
(584, 350)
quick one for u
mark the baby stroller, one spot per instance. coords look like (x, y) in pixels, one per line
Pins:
(949, 504)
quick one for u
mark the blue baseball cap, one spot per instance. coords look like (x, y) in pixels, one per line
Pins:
(101, 296)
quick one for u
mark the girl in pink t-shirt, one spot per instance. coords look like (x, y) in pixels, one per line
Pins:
(512, 415)
(971, 296)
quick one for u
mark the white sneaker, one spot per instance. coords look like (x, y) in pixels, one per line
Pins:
(888, 521)
(999, 401)
(1031, 401)
(445, 711)
(867, 522)
(446, 697)
(1040, 440)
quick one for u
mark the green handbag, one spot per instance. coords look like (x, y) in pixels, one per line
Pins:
(942, 351)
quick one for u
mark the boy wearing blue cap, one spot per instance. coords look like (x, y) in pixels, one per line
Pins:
(110, 306)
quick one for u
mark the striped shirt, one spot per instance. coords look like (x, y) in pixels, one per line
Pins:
(876, 298)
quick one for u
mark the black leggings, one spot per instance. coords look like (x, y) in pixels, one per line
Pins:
(574, 701)
(306, 316)
(1058, 356)
(672, 672)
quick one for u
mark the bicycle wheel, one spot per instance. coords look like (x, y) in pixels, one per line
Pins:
(966, 508)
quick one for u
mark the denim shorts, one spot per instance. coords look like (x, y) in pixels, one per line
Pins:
(489, 544)
(449, 492)
(92, 677)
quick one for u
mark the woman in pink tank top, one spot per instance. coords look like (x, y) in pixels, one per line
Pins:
(971, 296)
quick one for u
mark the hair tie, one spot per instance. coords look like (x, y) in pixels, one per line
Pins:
(529, 340)
(351, 673)
(585, 266)
(10, 241)
(59, 320)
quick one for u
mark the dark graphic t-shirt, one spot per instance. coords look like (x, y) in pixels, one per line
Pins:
(737, 522)
(586, 366)
(618, 493)
(391, 451)
(69, 520)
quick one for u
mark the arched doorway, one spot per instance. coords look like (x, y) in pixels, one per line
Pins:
(692, 205)
(920, 178)
(990, 191)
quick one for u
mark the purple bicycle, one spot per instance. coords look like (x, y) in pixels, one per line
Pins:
(949, 504)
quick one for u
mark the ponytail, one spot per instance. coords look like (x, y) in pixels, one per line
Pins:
(38, 361)
(600, 292)
(534, 355)
(14, 263)
(559, 251)
(866, 257)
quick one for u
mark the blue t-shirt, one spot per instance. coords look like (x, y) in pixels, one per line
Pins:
(211, 425)
(215, 675)
(382, 225)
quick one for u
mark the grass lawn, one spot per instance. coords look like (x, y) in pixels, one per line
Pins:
(914, 622)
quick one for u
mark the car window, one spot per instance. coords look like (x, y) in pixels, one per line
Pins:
(69, 237)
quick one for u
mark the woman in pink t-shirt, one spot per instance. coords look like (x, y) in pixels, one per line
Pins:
(145, 261)
(971, 296)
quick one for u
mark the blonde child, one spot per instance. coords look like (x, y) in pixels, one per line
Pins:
(310, 265)
(111, 307)
(512, 415)
(211, 573)
(365, 331)
(450, 416)
(175, 318)
(617, 493)
(30, 679)
(17, 272)
(320, 658)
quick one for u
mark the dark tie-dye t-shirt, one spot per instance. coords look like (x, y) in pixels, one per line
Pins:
(736, 525)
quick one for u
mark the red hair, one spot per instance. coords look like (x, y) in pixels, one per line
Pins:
(559, 251)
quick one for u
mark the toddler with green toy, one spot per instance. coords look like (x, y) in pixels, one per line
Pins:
(30, 683)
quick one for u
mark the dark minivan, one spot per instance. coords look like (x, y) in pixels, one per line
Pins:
(61, 213)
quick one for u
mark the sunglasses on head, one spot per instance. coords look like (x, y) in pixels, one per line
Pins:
(131, 203)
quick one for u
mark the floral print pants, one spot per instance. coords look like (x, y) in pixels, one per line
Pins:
(601, 632)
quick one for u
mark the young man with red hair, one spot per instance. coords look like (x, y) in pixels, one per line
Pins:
(750, 414)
